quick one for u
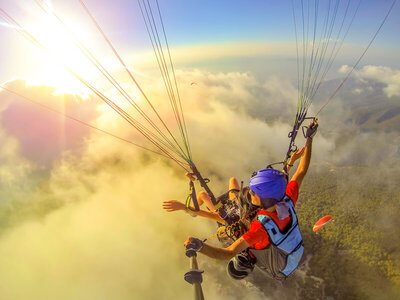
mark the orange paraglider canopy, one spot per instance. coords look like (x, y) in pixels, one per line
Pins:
(322, 222)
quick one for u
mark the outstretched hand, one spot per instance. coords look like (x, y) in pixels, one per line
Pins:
(173, 205)
(297, 154)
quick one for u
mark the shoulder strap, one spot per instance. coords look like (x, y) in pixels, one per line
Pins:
(291, 208)
(269, 224)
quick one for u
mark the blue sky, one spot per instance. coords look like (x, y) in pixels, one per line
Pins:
(207, 22)
(215, 21)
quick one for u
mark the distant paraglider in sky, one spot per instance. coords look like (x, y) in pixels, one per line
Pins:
(322, 222)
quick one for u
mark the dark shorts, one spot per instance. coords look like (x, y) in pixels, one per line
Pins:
(230, 212)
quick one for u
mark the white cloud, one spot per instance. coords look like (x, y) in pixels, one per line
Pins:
(13, 167)
(390, 77)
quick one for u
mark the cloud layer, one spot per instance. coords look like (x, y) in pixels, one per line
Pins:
(386, 75)
(96, 228)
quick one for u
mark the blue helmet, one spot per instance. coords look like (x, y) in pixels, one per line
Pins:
(269, 183)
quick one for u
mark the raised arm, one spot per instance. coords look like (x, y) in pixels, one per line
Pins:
(296, 155)
(306, 158)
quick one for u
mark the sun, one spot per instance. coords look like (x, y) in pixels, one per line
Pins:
(61, 53)
(63, 46)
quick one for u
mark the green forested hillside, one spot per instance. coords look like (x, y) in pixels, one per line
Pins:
(357, 256)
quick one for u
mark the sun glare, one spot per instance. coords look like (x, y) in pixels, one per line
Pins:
(67, 40)
(62, 53)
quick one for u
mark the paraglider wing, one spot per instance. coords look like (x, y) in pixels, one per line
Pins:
(322, 222)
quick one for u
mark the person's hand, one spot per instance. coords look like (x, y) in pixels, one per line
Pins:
(193, 245)
(296, 155)
(190, 176)
(312, 129)
(173, 205)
